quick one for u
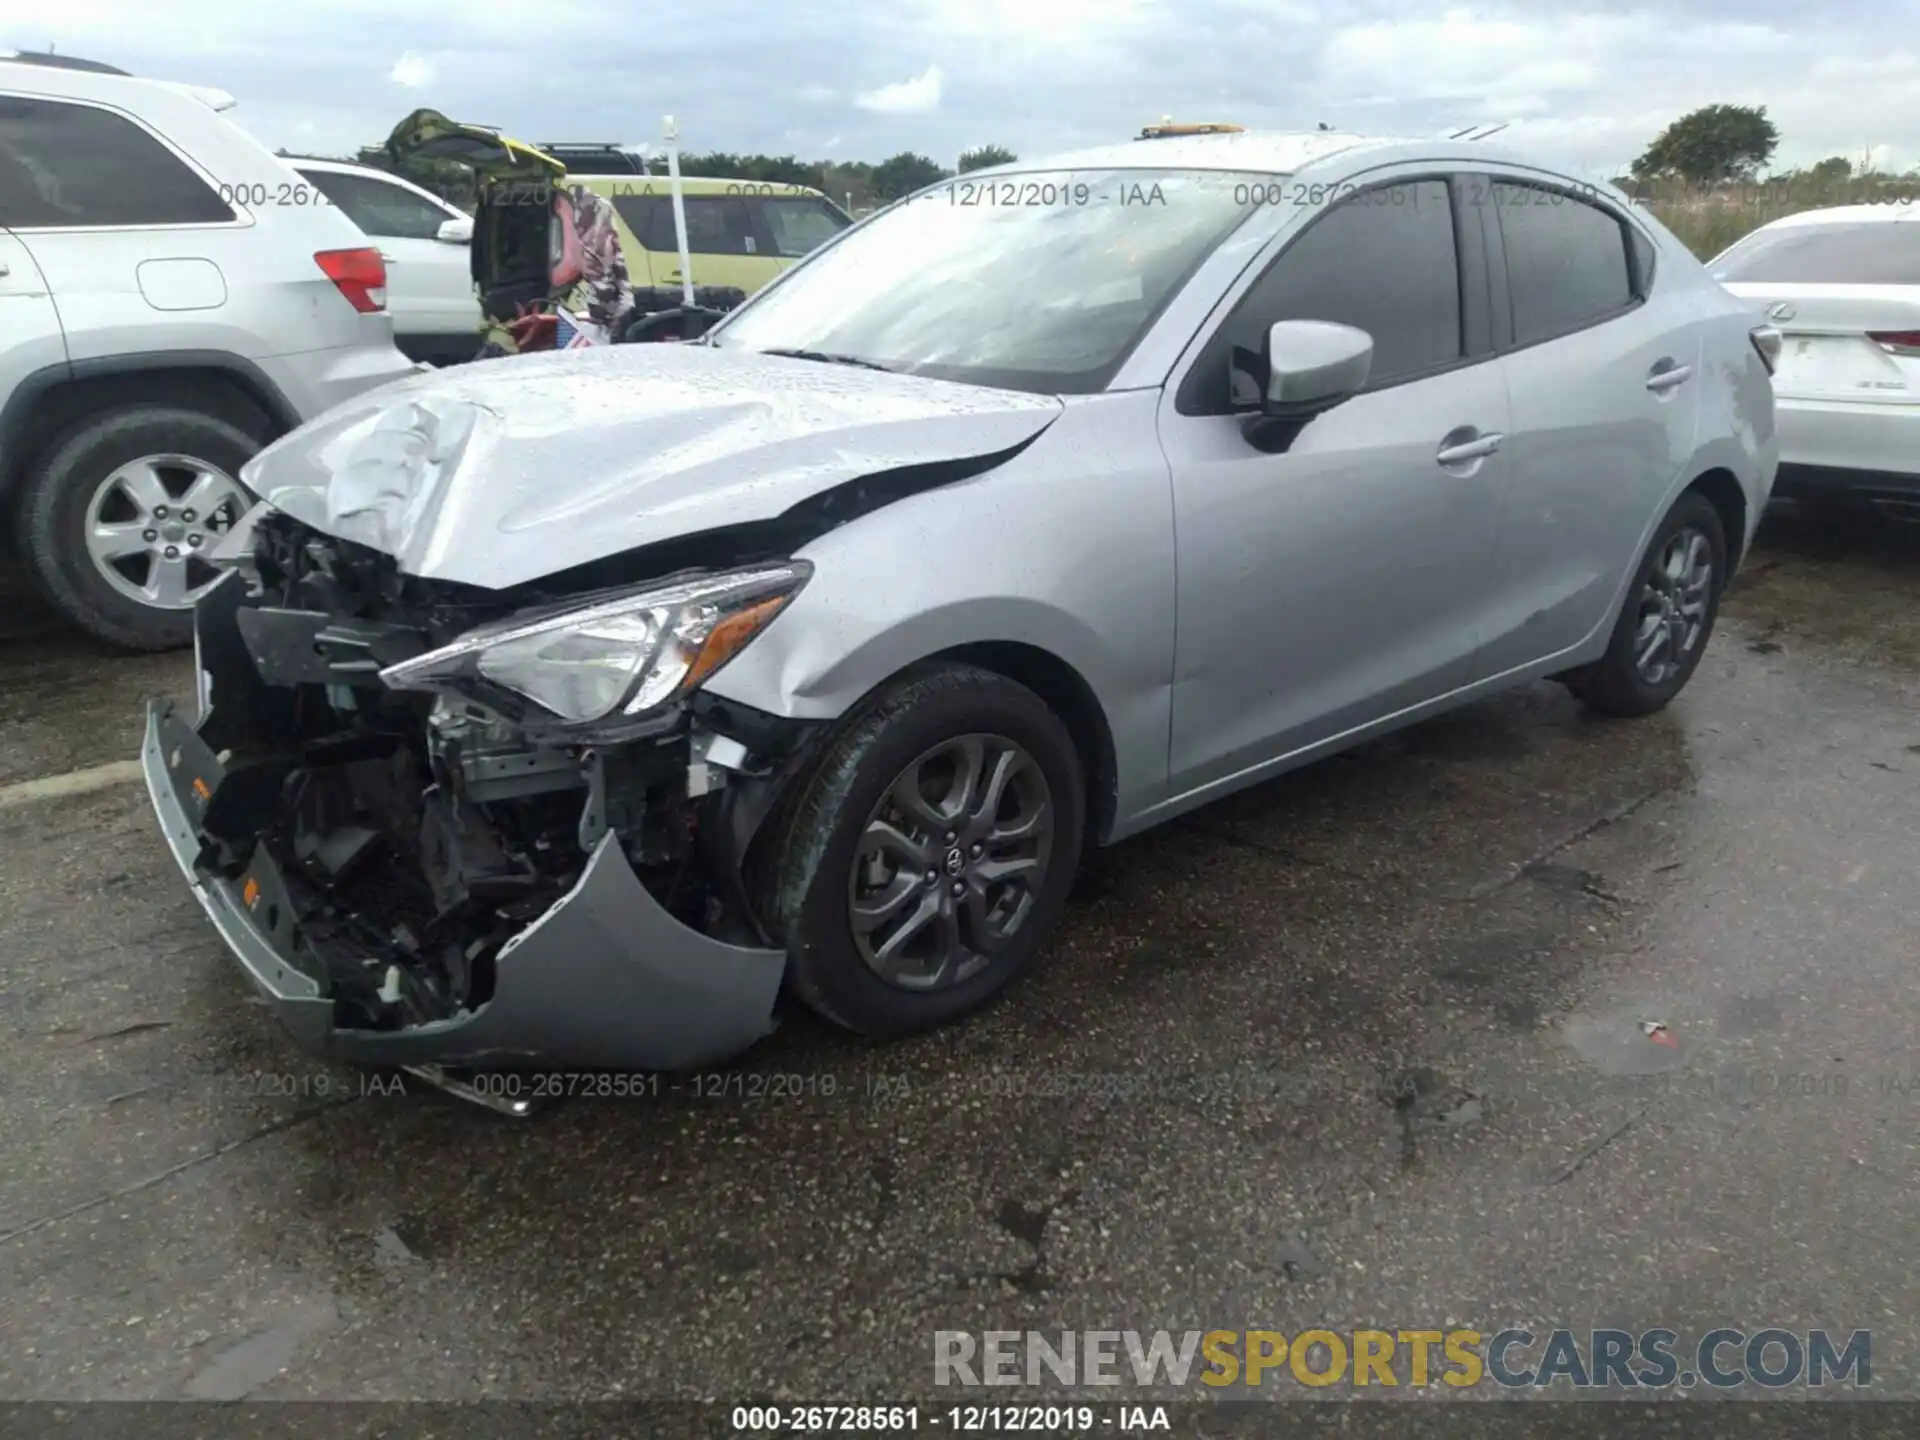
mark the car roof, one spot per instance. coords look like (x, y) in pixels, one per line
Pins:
(31, 75)
(341, 167)
(1905, 209)
(1274, 152)
(52, 61)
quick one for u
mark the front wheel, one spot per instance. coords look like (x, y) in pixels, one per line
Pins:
(930, 853)
(1668, 617)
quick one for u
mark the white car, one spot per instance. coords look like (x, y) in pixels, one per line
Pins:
(171, 300)
(425, 242)
(1843, 287)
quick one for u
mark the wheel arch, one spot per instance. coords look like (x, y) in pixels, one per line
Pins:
(1723, 492)
(1067, 693)
(48, 403)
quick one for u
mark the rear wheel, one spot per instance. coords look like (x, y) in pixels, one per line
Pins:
(119, 519)
(1668, 617)
(930, 854)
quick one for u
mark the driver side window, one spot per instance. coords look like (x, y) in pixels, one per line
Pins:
(1385, 260)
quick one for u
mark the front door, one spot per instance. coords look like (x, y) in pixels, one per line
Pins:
(1344, 580)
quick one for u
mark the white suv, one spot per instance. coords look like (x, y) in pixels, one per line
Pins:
(172, 298)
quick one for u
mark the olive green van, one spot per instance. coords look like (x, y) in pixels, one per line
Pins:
(740, 233)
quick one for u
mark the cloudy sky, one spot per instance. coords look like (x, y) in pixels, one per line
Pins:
(863, 79)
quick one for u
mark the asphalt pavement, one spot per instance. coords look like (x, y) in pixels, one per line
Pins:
(1519, 1018)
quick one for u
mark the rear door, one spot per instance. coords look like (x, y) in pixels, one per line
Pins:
(1604, 378)
(30, 335)
(429, 281)
(1846, 297)
(724, 243)
(124, 230)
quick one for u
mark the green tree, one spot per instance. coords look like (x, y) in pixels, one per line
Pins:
(1711, 145)
(903, 174)
(983, 156)
(1831, 171)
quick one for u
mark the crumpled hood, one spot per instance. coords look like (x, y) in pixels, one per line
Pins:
(505, 471)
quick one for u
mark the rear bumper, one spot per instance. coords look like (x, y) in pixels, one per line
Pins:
(604, 978)
(1814, 482)
(1818, 436)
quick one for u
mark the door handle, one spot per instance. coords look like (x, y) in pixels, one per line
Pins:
(1476, 449)
(5, 269)
(1662, 380)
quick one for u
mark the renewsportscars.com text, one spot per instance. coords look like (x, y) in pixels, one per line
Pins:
(1725, 1358)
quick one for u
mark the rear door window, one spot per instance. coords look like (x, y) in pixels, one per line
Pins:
(1567, 261)
(65, 166)
(1826, 253)
(650, 218)
(719, 225)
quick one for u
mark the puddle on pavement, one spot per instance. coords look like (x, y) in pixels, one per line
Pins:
(1621, 1045)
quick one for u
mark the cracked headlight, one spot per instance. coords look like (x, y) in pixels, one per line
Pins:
(615, 658)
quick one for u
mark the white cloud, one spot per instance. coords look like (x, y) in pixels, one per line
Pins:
(815, 94)
(918, 96)
(411, 70)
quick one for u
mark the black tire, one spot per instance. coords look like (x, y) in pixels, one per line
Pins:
(1613, 684)
(53, 511)
(805, 887)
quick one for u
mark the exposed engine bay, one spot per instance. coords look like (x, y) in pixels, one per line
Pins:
(419, 831)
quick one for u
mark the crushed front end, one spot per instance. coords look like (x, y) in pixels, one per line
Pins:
(440, 825)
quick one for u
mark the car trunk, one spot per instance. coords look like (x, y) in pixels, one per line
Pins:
(514, 245)
(1857, 343)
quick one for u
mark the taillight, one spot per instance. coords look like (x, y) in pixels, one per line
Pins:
(1769, 342)
(1897, 342)
(360, 275)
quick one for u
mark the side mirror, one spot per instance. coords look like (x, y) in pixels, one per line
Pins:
(455, 230)
(1311, 366)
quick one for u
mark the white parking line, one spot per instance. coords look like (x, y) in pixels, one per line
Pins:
(74, 782)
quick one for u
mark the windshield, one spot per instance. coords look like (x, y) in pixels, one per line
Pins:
(1885, 252)
(1043, 281)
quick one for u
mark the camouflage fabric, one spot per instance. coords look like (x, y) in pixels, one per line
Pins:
(602, 292)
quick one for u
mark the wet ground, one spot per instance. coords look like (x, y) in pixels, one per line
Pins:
(1365, 1047)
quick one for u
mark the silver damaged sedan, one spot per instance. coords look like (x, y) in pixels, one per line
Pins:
(566, 709)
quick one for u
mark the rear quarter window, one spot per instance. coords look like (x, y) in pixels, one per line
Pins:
(65, 166)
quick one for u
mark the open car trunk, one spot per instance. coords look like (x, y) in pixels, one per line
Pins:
(515, 243)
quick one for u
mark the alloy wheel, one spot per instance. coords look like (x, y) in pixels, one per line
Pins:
(1673, 606)
(153, 523)
(951, 863)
